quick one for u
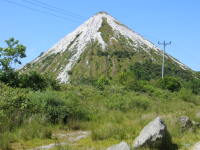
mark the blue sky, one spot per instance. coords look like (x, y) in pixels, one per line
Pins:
(177, 21)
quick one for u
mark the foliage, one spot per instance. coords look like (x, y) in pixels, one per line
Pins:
(125, 102)
(185, 95)
(56, 107)
(194, 85)
(106, 30)
(49, 59)
(123, 54)
(149, 70)
(33, 80)
(49, 103)
(130, 82)
(111, 114)
(10, 54)
(103, 80)
(87, 81)
(69, 72)
(100, 53)
(169, 83)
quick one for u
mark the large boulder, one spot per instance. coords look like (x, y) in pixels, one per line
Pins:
(152, 135)
(121, 146)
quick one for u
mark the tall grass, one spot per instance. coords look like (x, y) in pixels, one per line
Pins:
(113, 114)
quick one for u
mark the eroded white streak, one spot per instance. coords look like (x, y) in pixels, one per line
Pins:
(89, 30)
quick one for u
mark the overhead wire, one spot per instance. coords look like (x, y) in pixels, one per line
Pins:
(184, 56)
(177, 47)
(185, 53)
(192, 58)
(52, 9)
(60, 9)
(42, 11)
(81, 17)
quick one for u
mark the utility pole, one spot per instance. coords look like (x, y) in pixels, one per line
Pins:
(163, 67)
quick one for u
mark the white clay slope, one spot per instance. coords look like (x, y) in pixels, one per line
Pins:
(89, 30)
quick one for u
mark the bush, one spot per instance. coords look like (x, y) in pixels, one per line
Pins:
(194, 85)
(103, 80)
(69, 72)
(49, 103)
(130, 82)
(33, 80)
(169, 83)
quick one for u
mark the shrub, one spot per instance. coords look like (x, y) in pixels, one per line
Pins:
(50, 103)
(69, 72)
(130, 82)
(33, 80)
(194, 85)
(103, 80)
(169, 83)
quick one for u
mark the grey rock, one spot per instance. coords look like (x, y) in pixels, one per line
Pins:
(121, 146)
(185, 123)
(152, 135)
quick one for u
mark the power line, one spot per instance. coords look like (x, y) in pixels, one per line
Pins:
(52, 9)
(185, 57)
(181, 50)
(186, 54)
(153, 37)
(61, 9)
(177, 47)
(42, 11)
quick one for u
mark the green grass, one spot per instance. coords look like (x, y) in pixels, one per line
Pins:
(112, 115)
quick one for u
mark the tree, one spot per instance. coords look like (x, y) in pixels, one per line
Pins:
(11, 54)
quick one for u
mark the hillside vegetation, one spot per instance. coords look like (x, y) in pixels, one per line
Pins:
(111, 110)
(33, 106)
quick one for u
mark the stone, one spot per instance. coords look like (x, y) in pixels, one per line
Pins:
(121, 146)
(152, 135)
(185, 123)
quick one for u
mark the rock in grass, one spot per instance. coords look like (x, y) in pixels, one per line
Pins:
(121, 146)
(185, 123)
(152, 135)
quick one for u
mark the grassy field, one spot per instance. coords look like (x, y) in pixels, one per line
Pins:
(29, 119)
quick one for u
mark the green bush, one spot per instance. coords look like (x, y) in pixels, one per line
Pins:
(49, 103)
(130, 82)
(103, 80)
(69, 72)
(33, 80)
(57, 107)
(169, 83)
(194, 85)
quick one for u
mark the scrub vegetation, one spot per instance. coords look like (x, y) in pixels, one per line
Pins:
(111, 110)
(114, 95)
